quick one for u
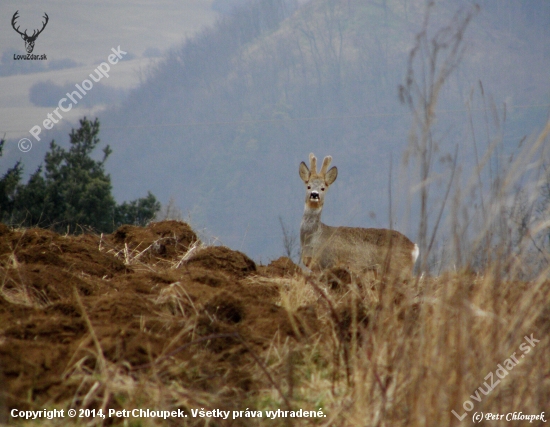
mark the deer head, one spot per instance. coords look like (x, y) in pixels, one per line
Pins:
(29, 40)
(317, 183)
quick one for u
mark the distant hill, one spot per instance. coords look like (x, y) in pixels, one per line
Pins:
(223, 121)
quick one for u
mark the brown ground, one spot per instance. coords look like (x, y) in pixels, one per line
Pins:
(151, 318)
(72, 305)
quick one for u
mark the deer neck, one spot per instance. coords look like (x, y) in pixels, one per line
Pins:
(311, 221)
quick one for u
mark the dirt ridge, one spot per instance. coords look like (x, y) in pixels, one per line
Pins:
(148, 310)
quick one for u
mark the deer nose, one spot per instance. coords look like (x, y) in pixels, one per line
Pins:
(314, 195)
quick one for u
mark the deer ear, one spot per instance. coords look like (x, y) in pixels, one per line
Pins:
(331, 175)
(304, 172)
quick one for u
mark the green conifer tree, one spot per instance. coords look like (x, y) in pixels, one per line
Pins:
(71, 191)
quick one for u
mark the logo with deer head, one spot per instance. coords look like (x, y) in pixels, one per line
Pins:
(29, 40)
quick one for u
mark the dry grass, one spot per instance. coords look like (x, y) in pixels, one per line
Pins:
(381, 354)
(473, 339)
(413, 361)
(407, 363)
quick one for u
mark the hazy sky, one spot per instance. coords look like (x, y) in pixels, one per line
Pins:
(85, 32)
(211, 171)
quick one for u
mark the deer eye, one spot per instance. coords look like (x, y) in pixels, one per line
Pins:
(309, 187)
(322, 188)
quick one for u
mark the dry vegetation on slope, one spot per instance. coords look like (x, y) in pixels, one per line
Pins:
(152, 318)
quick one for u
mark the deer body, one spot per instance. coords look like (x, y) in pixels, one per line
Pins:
(357, 249)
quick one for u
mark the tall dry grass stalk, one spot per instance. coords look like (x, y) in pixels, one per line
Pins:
(444, 348)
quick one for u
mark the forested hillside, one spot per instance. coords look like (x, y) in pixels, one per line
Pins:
(224, 120)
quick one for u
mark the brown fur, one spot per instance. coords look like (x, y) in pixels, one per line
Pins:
(358, 249)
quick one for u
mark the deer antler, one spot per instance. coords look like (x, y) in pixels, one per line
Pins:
(35, 33)
(326, 164)
(43, 26)
(312, 164)
(15, 16)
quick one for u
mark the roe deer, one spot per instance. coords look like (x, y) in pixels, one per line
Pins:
(358, 249)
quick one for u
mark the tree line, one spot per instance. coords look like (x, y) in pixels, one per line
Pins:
(70, 192)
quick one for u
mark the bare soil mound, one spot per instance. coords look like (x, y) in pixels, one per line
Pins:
(150, 318)
(281, 267)
(139, 303)
(164, 239)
